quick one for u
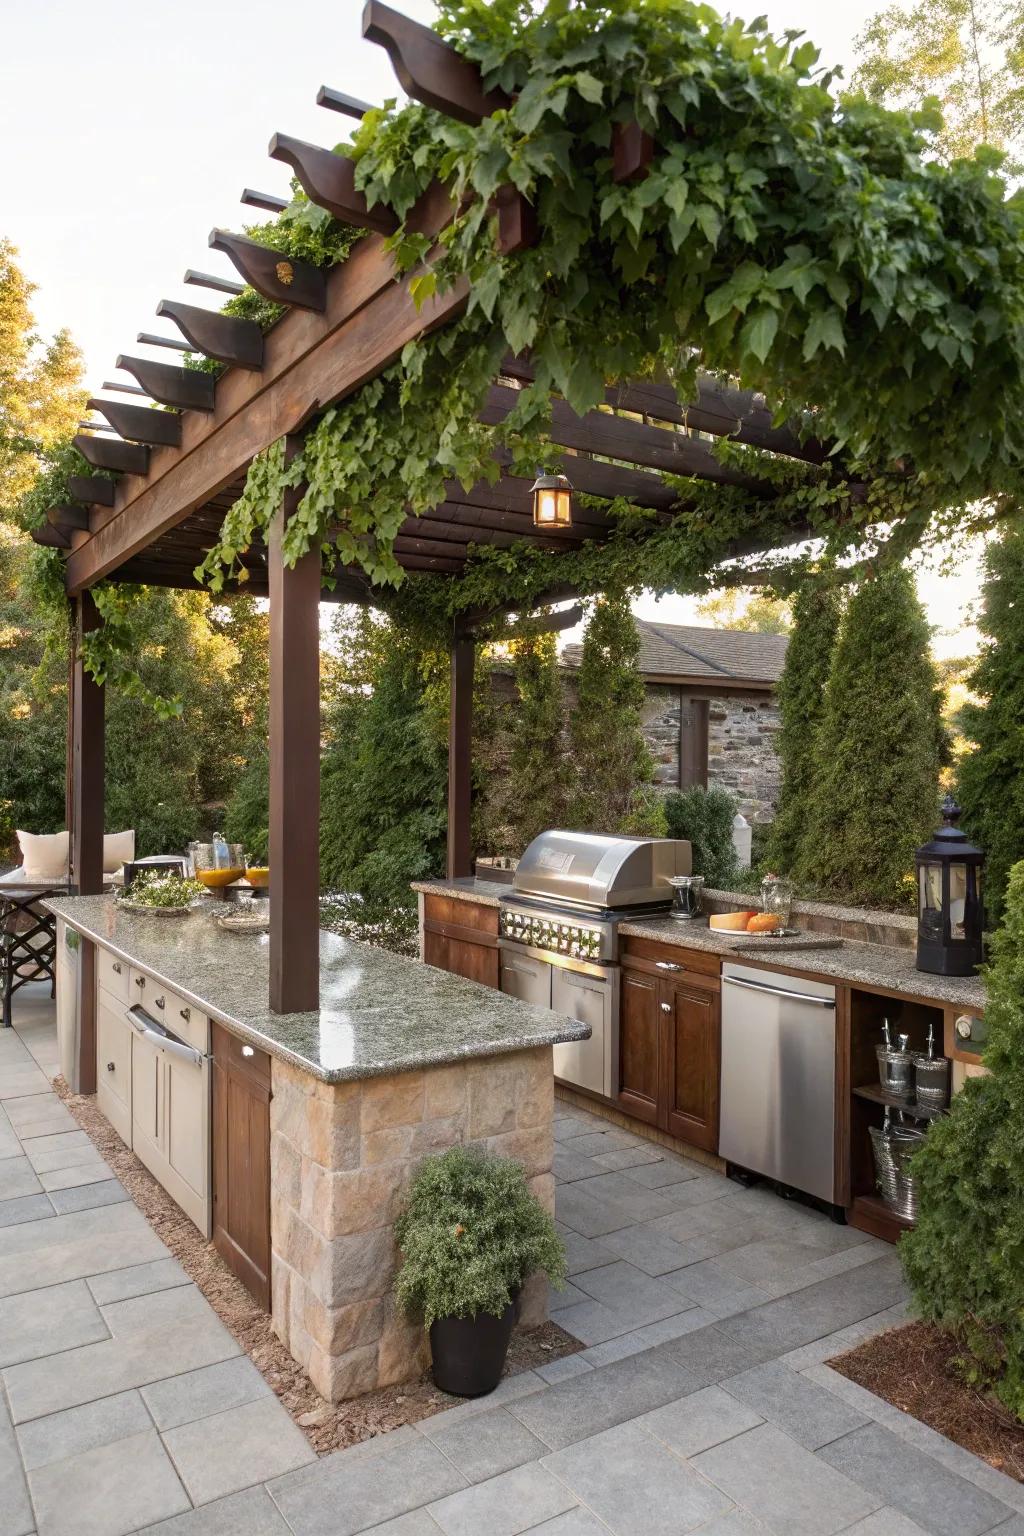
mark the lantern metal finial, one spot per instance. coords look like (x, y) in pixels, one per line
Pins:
(552, 501)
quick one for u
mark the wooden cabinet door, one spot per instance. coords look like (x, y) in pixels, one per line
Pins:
(450, 928)
(639, 1047)
(690, 1063)
(477, 962)
(241, 1161)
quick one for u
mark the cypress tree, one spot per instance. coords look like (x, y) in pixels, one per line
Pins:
(612, 765)
(875, 793)
(534, 793)
(817, 609)
(991, 777)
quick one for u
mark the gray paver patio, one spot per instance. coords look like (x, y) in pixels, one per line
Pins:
(701, 1403)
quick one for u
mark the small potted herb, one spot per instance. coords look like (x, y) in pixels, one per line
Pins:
(471, 1234)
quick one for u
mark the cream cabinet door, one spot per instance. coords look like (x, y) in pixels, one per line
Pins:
(147, 1093)
(114, 1065)
(186, 1135)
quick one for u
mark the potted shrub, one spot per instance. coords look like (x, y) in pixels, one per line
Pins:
(470, 1234)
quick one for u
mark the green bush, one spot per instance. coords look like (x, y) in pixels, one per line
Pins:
(965, 1258)
(705, 818)
(471, 1233)
(611, 761)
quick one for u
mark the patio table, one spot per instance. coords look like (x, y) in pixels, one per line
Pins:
(28, 938)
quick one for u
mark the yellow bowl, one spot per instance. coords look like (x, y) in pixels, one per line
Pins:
(217, 879)
(258, 876)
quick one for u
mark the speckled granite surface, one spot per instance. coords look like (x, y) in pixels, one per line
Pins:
(487, 892)
(380, 1013)
(870, 965)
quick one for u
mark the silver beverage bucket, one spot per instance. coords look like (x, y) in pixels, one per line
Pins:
(885, 1165)
(931, 1081)
(893, 1153)
(895, 1071)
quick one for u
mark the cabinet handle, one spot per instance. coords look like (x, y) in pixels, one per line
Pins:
(159, 1002)
(116, 967)
(140, 981)
(185, 1013)
(110, 1066)
(668, 965)
(666, 1007)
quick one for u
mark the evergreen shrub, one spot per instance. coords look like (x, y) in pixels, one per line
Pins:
(965, 1257)
(705, 818)
(470, 1234)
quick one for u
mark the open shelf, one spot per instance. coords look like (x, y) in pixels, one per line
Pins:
(869, 1213)
(875, 1094)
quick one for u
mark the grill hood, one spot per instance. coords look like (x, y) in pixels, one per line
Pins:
(598, 871)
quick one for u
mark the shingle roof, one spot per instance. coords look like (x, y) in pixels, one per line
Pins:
(685, 650)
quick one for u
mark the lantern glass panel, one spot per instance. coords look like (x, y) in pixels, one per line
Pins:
(930, 897)
(552, 507)
(957, 900)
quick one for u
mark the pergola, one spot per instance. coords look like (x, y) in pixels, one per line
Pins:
(177, 471)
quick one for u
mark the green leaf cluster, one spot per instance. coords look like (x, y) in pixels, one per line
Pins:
(965, 1257)
(470, 1234)
(704, 817)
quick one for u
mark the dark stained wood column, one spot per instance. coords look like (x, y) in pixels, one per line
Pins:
(87, 753)
(294, 771)
(460, 760)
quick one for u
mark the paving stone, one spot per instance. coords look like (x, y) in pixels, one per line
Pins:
(913, 1482)
(630, 1291)
(567, 1296)
(60, 1435)
(593, 1323)
(98, 1370)
(654, 1252)
(509, 1390)
(251, 1513)
(587, 1215)
(663, 1173)
(75, 1148)
(71, 1228)
(10, 1146)
(820, 1308)
(576, 1409)
(59, 1317)
(564, 1369)
(57, 1141)
(95, 1171)
(699, 1421)
(209, 1390)
(108, 1491)
(85, 1197)
(582, 1252)
(504, 1505)
(17, 1178)
(825, 1267)
(593, 1143)
(659, 1495)
(27, 1208)
(566, 1127)
(708, 1285)
(343, 1494)
(487, 1444)
(807, 1412)
(629, 1157)
(737, 1523)
(39, 1114)
(416, 1523)
(16, 1517)
(575, 1522)
(233, 1450)
(790, 1489)
(771, 1259)
(168, 1308)
(18, 1082)
(709, 1355)
(626, 1195)
(138, 1280)
(889, 1522)
(568, 1167)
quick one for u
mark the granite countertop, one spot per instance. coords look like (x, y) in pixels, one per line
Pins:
(487, 892)
(869, 965)
(380, 1013)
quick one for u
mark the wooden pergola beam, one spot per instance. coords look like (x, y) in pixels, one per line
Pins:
(140, 423)
(222, 337)
(284, 279)
(428, 69)
(69, 519)
(51, 537)
(329, 180)
(96, 490)
(187, 389)
(112, 453)
(460, 759)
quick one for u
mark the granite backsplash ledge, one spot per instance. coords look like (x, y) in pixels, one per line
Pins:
(379, 1013)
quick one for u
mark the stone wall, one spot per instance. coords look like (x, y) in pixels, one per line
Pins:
(741, 745)
(341, 1158)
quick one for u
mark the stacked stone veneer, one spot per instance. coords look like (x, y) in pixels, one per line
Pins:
(341, 1158)
(741, 745)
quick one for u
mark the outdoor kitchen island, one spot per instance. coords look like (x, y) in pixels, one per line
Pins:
(290, 1138)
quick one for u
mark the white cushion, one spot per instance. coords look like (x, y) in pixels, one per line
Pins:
(118, 849)
(44, 857)
(14, 877)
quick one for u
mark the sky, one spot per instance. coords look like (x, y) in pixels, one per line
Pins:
(128, 131)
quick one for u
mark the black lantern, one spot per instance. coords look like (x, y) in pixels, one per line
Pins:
(950, 915)
(552, 502)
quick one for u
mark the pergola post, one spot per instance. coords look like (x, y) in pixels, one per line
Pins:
(460, 759)
(294, 770)
(86, 708)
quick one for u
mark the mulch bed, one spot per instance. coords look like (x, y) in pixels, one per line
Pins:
(327, 1426)
(914, 1368)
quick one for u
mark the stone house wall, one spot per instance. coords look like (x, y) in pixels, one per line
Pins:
(741, 744)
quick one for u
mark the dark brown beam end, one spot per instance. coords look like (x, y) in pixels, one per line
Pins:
(196, 279)
(50, 537)
(222, 337)
(329, 180)
(428, 69)
(632, 152)
(112, 453)
(265, 200)
(94, 490)
(189, 389)
(68, 519)
(518, 228)
(284, 279)
(337, 101)
(140, 424)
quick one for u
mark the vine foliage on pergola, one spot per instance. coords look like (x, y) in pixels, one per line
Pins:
(799, 243)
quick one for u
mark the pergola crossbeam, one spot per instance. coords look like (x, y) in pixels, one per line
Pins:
(222, 337)
(329, 180)
(284, 279)
(185, 388)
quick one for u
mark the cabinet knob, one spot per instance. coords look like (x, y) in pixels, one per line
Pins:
(110, 1066)
(140, 981)
(666, 1007)
(247, 1050)
(185, 1013)
(116, 967)
(159, 1002)
(668, 965)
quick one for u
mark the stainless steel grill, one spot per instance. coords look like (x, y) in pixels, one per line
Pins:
(559, 934)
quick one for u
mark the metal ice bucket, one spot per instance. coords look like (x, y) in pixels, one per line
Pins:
(896, 1071)
(931, 1081)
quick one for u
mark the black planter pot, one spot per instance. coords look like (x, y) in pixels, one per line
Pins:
(469, 1352)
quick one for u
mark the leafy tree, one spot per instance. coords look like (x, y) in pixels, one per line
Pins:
(991, 777)
(531, 784)
(704, 817)
(965, 1257)
(41, 392)
(966, 53)
(801, 694)
(758, 613)
(879, 746)
(610, 759)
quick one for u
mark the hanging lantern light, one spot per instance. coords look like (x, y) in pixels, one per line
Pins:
(950, 915)
(552, 502)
